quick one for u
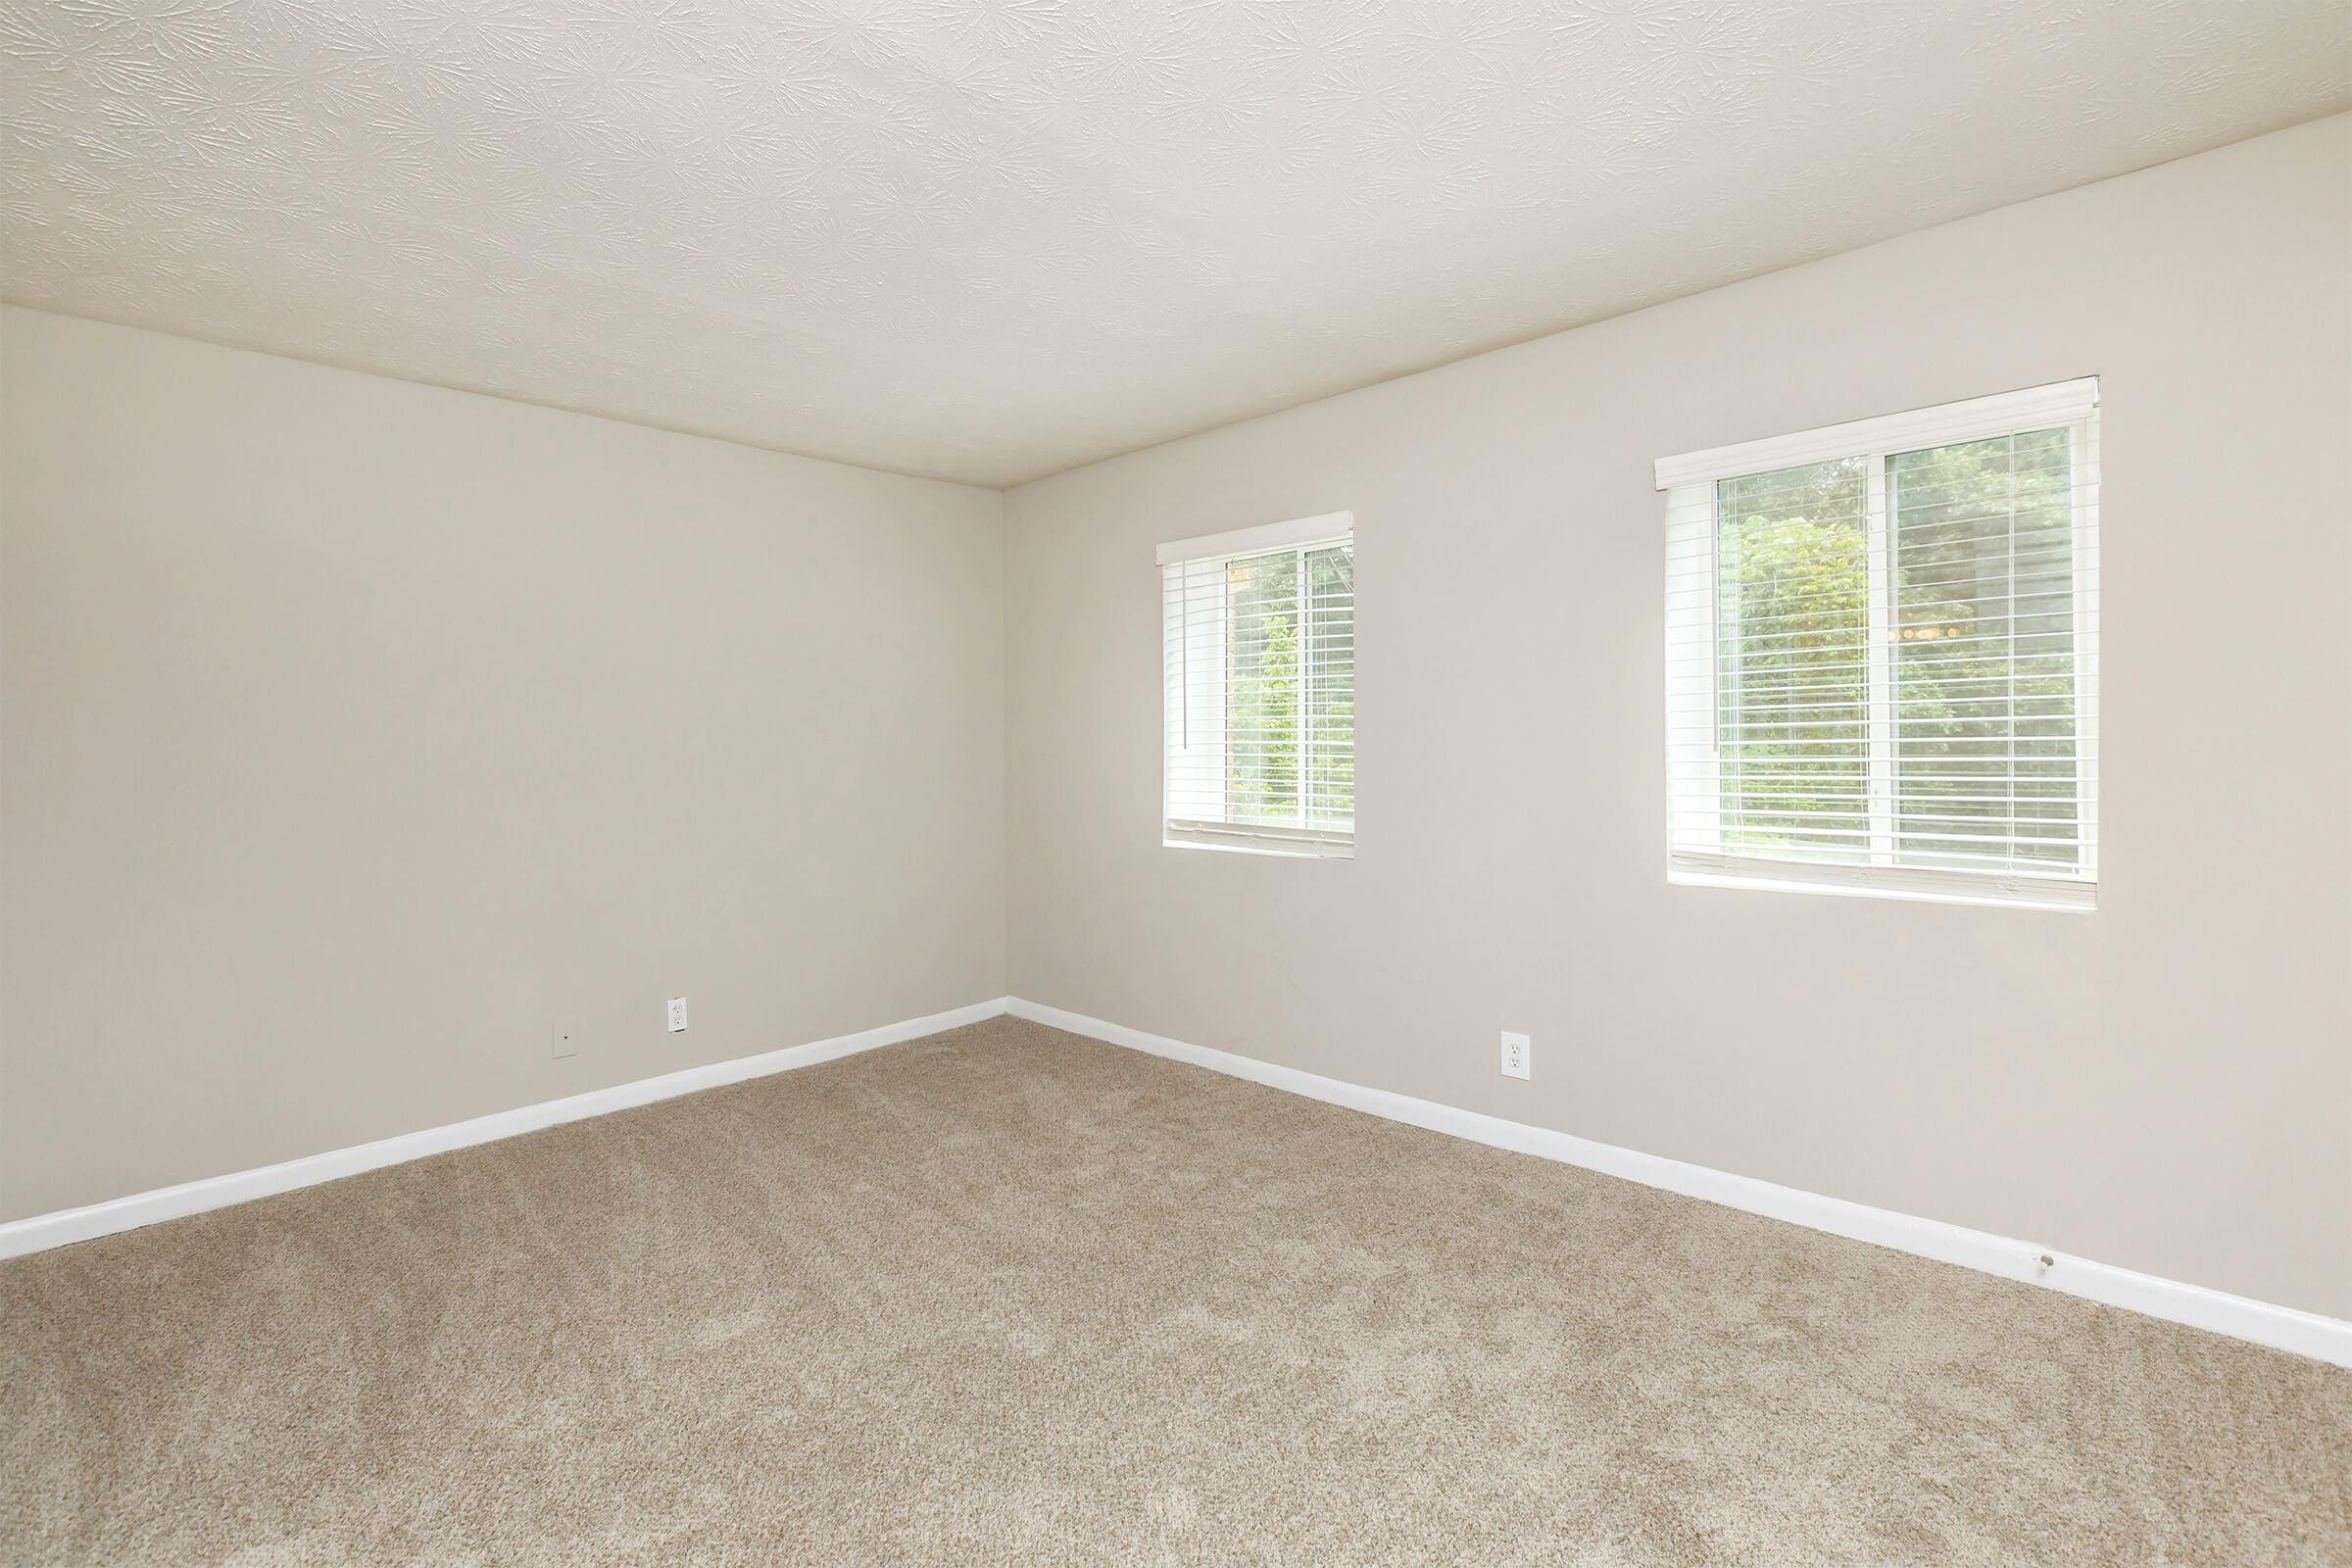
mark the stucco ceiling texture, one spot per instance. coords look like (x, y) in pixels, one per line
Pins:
(990, 240)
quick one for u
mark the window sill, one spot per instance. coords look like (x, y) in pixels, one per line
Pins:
(1232, 840)
(1881, 882)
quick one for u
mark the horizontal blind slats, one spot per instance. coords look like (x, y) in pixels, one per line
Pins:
(1260, 667)
(1886, 663)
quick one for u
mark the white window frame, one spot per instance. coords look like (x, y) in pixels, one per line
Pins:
(1691, 617)
(1255, 838)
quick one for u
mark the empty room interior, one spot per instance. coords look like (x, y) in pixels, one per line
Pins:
(701, 859)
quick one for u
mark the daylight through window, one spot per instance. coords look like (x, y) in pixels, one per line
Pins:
(1882, 654)
(1260, 679)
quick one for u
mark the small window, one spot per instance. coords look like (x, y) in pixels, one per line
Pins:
(1260, 674)
(1882, 654)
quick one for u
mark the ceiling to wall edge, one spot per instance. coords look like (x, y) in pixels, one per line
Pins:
(323, 363)
(1677, 297)
(1562, 329)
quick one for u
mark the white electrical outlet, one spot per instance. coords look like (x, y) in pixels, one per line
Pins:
(561, 1042)
(1515, 1053)
(677, 1013)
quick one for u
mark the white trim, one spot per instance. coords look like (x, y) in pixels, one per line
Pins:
(66, 1225)
(2028, 409)
(1261, 838)
(2083, 452)
(1699, 556)
(1879, 712)
(1927, 884)
(2282, 1328)
(1327, 529)
(1695, 616)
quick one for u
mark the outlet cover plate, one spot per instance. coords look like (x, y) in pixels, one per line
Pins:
(677, 1013)
(1516, 1049)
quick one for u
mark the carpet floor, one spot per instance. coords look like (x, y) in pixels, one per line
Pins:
(1005, 1295)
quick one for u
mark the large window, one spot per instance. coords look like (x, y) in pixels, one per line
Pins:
(1882, 654)
(1260, 677)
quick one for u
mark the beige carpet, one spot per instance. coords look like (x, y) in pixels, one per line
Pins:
(1006, 1295)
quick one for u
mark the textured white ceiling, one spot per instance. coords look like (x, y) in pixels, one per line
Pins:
(991, 240)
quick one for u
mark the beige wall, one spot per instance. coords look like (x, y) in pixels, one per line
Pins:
(352, 733)
(2166, 1085)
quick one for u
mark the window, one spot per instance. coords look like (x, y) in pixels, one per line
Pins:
(1260, 674)
(1882, 654)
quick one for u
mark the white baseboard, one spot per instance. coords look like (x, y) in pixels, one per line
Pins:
(44, 1231)
(2282, 1328)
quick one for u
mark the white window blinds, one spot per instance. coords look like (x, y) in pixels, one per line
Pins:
(1260, 684)
(1882, 654)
